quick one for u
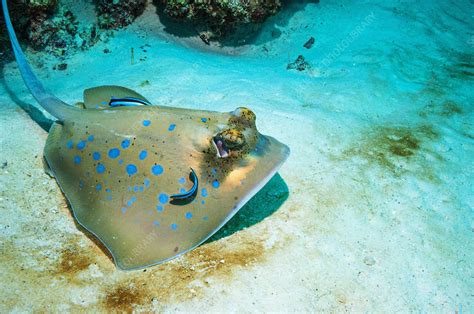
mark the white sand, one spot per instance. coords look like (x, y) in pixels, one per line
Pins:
(379, 215)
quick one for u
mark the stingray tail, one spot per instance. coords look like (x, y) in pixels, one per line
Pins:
(49, 102)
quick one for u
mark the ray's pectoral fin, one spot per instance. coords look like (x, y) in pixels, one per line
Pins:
(103, 97)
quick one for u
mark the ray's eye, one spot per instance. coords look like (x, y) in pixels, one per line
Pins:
(233, 138)
(228, 140)
(243, 116)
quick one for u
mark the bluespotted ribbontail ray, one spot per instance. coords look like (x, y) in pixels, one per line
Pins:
(151, 182)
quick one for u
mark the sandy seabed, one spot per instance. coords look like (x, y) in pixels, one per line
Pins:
(372, 212)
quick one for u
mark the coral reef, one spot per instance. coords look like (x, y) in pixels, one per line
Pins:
(39, 30)
(51, 25)
(47, 25)
(20, 19)
(215, 19)
(61, 33)
(42, 5)
(118, 13)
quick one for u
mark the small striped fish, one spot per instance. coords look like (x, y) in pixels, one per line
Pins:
(128, 101)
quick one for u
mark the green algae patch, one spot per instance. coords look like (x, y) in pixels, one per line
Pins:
(446, 108)
(401, 143)
(398, 150)
(187, 277)
(462, 67)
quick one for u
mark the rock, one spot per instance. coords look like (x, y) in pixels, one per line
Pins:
(369, 261)
(62, 67)
(218, 18)
(309, 43)
(300, 64)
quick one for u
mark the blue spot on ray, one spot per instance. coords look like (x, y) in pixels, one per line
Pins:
(77, 160)
(174, 226)
(98, 187)
(157, 170)
(108, 190)
(204, 120)
(142, 154)
(125, 143)
(114, 153)
(96, 155)
(146, 122)
(163, 198)
(146, 182)
(189, 215)
(81, 145)
(69, 144)
(131, 169)
(204, 192)
(100, 168)
(90, 138)
(181, 180)
(215, 184)
(132, 200)
(156, 223)
(159, 208)
(120, 161)
(171, 127)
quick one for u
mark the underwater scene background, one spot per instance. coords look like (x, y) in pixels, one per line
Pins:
(372, 211)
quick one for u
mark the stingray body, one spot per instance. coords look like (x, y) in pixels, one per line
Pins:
(119, 168)
(151, 182)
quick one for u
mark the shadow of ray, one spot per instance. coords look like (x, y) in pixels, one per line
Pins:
(34, 113)
(263, 204)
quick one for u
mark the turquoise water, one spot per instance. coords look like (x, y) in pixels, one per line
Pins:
(373, 211)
